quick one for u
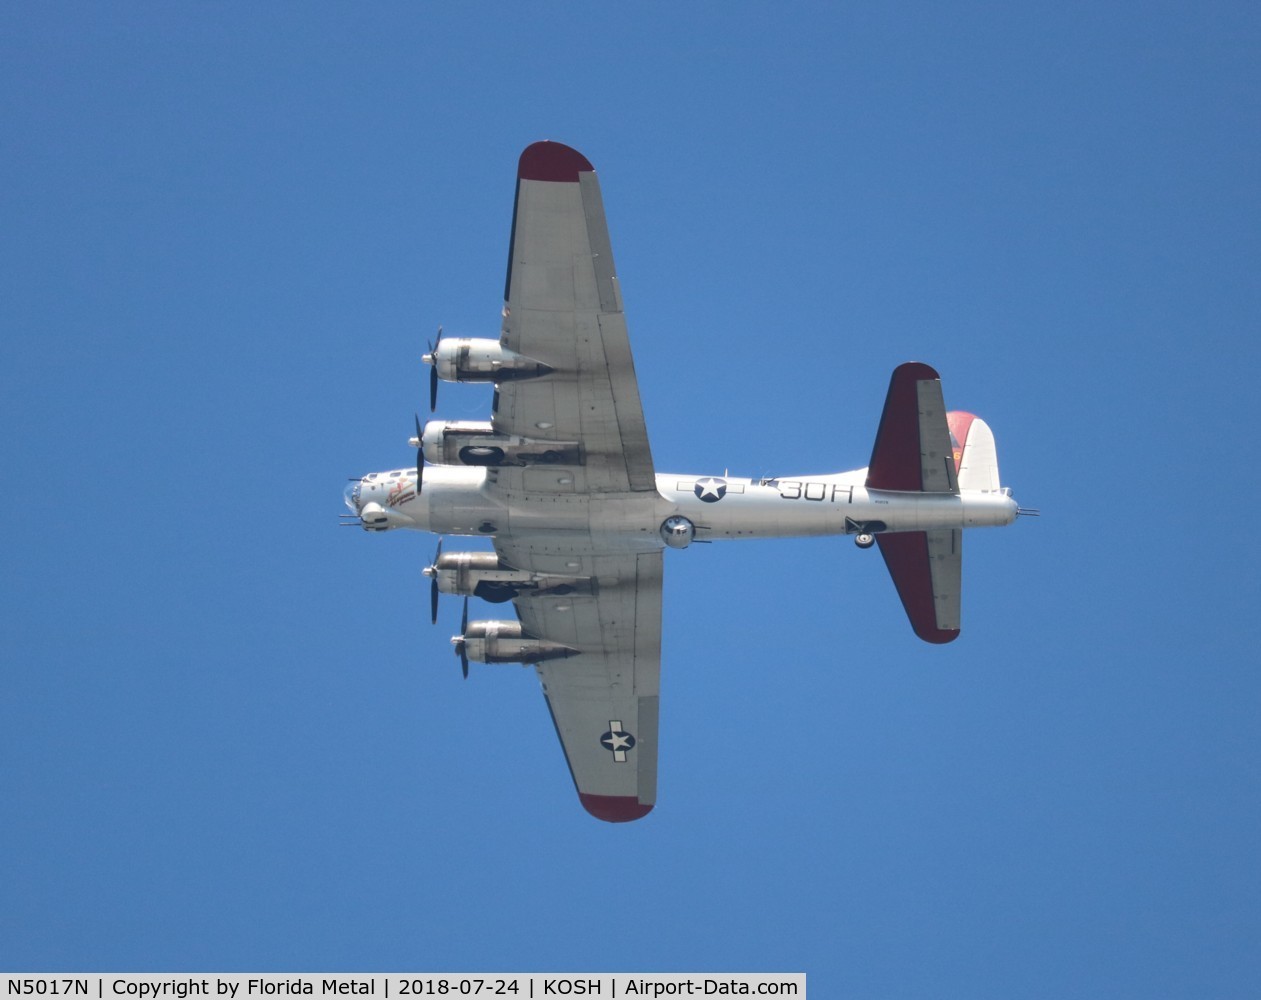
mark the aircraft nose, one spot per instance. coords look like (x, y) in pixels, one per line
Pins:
(351, 495)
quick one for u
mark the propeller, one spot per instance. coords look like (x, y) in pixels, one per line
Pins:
(432, 359)
(460, 643)
(431, 571)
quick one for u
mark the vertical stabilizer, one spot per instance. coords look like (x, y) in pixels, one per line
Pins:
(975, 453)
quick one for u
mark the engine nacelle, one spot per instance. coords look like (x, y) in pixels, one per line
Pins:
(476, 359)
(474, 442)
(506, 642)
(485, 575)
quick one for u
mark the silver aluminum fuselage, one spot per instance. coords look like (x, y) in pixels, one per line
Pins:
(457, 500)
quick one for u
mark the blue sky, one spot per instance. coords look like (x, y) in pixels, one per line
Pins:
(232, 741)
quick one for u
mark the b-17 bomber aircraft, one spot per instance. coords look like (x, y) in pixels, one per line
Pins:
(561, 480)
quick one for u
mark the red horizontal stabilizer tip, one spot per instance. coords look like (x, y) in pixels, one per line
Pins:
(916, 370)
(552, 161)
(614, 808)
(939, 636)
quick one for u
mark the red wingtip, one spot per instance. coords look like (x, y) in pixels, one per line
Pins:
(615, 808)
(552, 161)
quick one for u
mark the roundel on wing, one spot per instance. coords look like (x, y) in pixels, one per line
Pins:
(617, 739)
(710, 490)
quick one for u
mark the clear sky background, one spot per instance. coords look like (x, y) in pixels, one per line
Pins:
(230, 738)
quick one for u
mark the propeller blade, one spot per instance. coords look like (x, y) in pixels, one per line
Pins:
(432, 358)
(431, 571)
(463, 646)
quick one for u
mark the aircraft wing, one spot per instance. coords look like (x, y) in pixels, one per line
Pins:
(603, 701)
(563, 307)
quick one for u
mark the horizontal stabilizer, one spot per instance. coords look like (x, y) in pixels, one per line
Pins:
(912, 451)
(926, 567)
